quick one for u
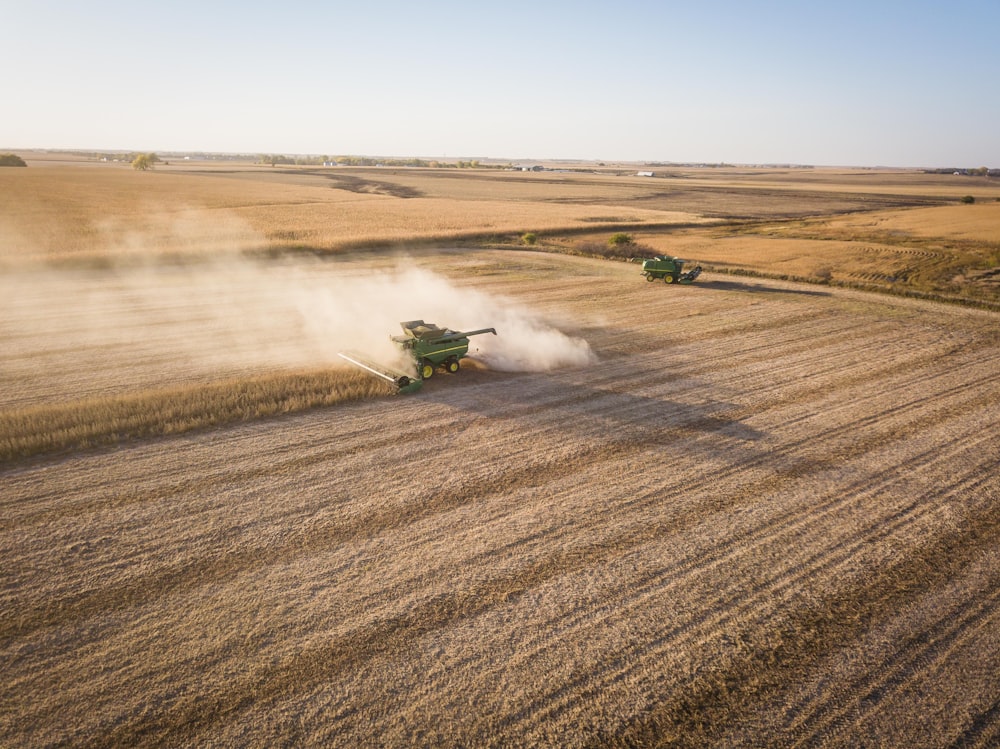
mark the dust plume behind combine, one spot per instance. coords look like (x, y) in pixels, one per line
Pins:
(308, 312)
(359, 312)
(76, 332)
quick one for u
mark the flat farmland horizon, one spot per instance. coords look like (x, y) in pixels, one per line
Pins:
(893, 231)
(746, 511)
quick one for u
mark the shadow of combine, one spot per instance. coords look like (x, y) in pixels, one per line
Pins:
(564, 403)
(758, 288)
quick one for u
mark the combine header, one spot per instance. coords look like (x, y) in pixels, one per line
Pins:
(403, 382)
(429, 346)
(667, 268)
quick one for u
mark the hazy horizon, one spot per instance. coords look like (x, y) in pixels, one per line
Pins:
(514, 161)
(873, 84)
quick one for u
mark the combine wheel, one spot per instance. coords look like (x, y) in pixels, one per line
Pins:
(426, 370)
(668, 278)
(649, 277)
(451, 365)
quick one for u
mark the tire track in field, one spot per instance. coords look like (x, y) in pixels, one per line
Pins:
(48, 505)
(772, 483)
(393, 634)
(751, 340)
(925, 355)
(692, 517)
(797, 356)
(736, 602)
(173, 577)
(984, 731)
(856, 374)
(176, 576)
(285, 459)
(858, 448)
(922, 651)
(912, 381)
(562, 625)
(248, 471)
(837, 623)
(681, 380)
(863, 441)
(27, 617)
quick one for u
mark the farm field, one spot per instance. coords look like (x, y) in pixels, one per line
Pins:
(895, 231)
(761, 509)
(738, 513)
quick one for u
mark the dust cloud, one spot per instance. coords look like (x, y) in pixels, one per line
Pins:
(232, 314)
(525, 342)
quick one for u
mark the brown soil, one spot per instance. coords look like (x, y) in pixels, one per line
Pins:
(768, 516)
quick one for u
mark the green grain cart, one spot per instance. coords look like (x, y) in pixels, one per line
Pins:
(670, 269)
(432, 347)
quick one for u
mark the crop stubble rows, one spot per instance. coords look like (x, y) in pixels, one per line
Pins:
(721, 532)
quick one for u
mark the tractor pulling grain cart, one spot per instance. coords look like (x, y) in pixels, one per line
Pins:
(670, 269)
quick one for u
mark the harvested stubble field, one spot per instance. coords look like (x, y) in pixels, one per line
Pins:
(763, 513)
(898, 231)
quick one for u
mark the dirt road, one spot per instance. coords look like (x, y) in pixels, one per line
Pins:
(767, 515)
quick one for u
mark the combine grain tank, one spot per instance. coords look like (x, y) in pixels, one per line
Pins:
(432, 347)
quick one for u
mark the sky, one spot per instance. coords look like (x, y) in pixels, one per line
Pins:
(909, 83)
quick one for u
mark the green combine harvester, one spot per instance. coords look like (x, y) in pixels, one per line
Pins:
(670, 269)
(430, 347)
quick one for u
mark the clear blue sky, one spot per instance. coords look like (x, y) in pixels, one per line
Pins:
(866, 83)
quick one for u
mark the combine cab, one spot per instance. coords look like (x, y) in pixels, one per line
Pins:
(432, 347)
(670, 269)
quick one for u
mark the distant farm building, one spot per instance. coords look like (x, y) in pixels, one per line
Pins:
(645, 174)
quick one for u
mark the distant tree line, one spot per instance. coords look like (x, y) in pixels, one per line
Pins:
(981, 171)
(11, 159)
(281, 159)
